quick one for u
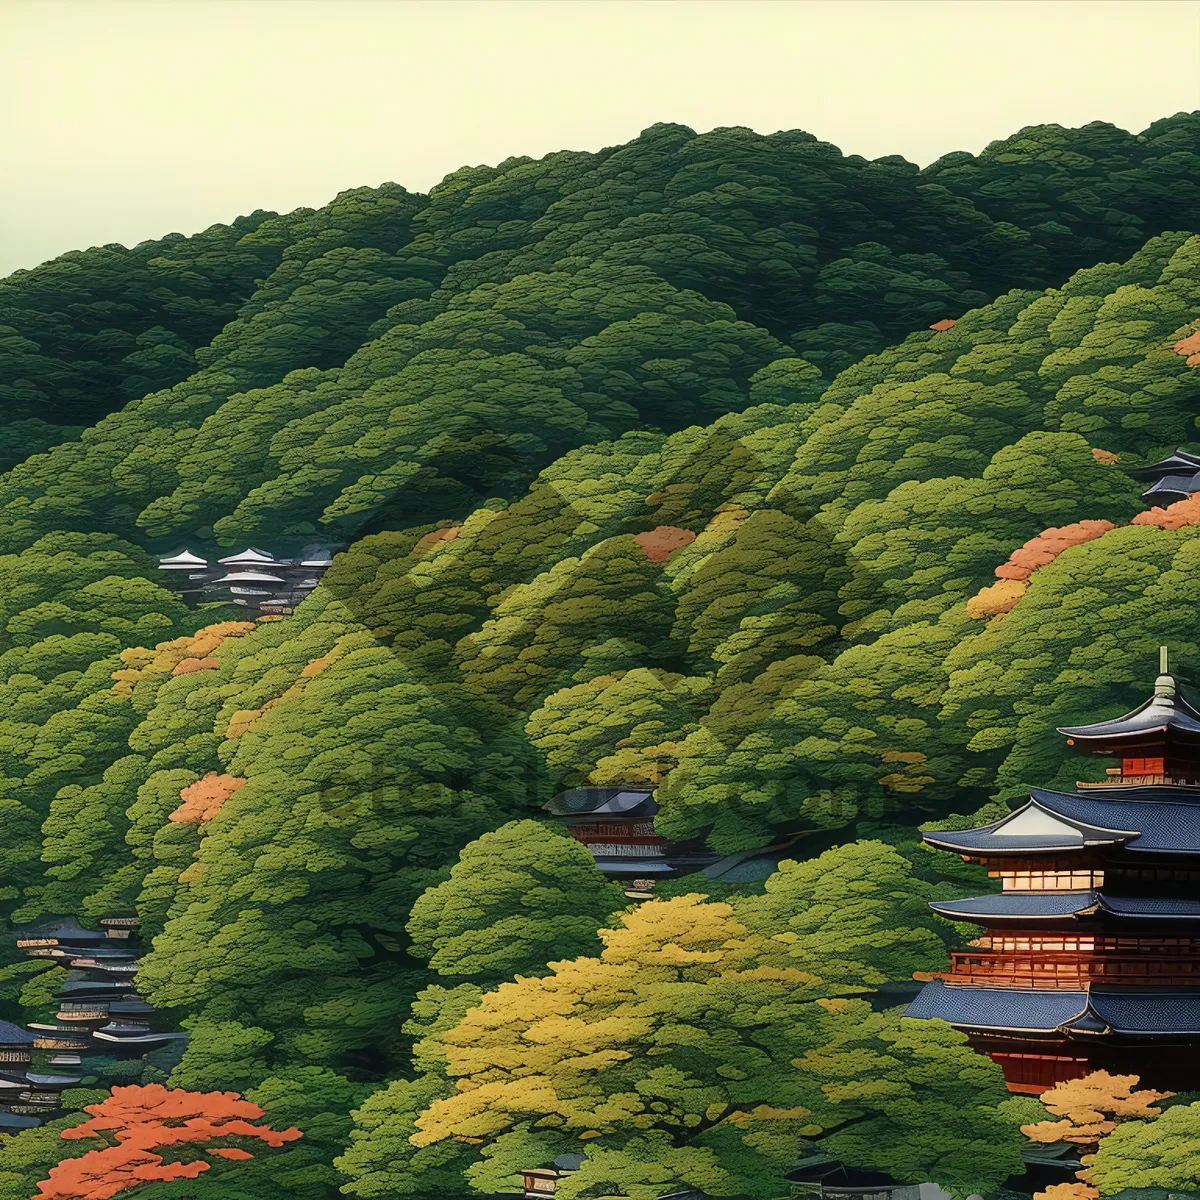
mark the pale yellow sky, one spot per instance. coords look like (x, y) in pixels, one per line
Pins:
(127, 119)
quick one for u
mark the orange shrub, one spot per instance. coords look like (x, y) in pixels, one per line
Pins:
(136, 1122)
(1190, 348)
(659, 543)
(1174, 516)
(202, 800)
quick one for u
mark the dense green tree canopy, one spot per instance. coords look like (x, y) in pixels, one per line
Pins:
(418, 354)
(516, 899)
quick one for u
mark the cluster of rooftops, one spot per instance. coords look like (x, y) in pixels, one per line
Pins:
(99, 1015)
(252, 578)
(257, 579)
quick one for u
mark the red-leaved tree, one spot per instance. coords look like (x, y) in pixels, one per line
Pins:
(137, 1122)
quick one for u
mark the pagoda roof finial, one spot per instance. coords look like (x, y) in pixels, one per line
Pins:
(1167, 714)
(1164, 685)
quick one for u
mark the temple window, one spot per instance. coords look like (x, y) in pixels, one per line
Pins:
(1142, 766)
(1050, 881)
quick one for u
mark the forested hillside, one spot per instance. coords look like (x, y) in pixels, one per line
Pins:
(648, 469)
(395, 357)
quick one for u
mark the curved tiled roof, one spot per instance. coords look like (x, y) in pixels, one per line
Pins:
(1143, 907)
(1142, 1011)
(1134, 1012)
(1155, 820)
(600, 801)
(1049, 906)
(1164, 819)
(1037, 826)
(1156, 715)
(1028, 1010)
(1017, 905)
(14, 1035)
(1172, 487)
(1181, 461)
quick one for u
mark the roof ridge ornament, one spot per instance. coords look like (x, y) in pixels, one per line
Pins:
(1164, 685)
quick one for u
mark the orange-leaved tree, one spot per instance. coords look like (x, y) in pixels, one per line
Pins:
(1014, 574)
(1090, 1108)
(138, 1121)
(202, 800)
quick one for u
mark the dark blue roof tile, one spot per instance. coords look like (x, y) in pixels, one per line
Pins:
(599, 801)
(1049, 906)
(1131, 1012)
(1016, 905)
(1031, 1010)
(14, 1035)
(1154, 820)
(1141, 907)
(1165, 821)
(1166, 709)
(1141, 1011)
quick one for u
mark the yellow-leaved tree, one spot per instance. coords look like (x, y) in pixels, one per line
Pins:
(692, 1051)
(1088, 1110)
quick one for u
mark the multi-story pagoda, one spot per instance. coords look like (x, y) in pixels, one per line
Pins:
(99, 1015)
(1090, 955)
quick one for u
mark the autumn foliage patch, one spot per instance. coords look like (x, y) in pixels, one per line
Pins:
(202, 800)
(1089, 1109)
(144, 1120)
(1014, 575)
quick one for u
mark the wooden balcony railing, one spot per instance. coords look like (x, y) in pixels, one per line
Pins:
(1119, 780)
(1068, 969)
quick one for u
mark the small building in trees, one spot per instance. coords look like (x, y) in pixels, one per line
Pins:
(30, 1093)
(16, 1044)
(99, 1015)
(1171, 479)
(252, 578)
(823, 1177)
(1090, 954)
(59, 1038)
(543, 1181)
(616, 824)
(58, 939)
(186, 573)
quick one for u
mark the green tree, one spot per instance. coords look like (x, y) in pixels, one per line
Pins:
(854, 914)
(517, 898)
(720, 1103)
(1163, 1153)
(620, 728)
(570, 622)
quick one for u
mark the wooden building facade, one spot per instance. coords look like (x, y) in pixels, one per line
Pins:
(616, 824)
